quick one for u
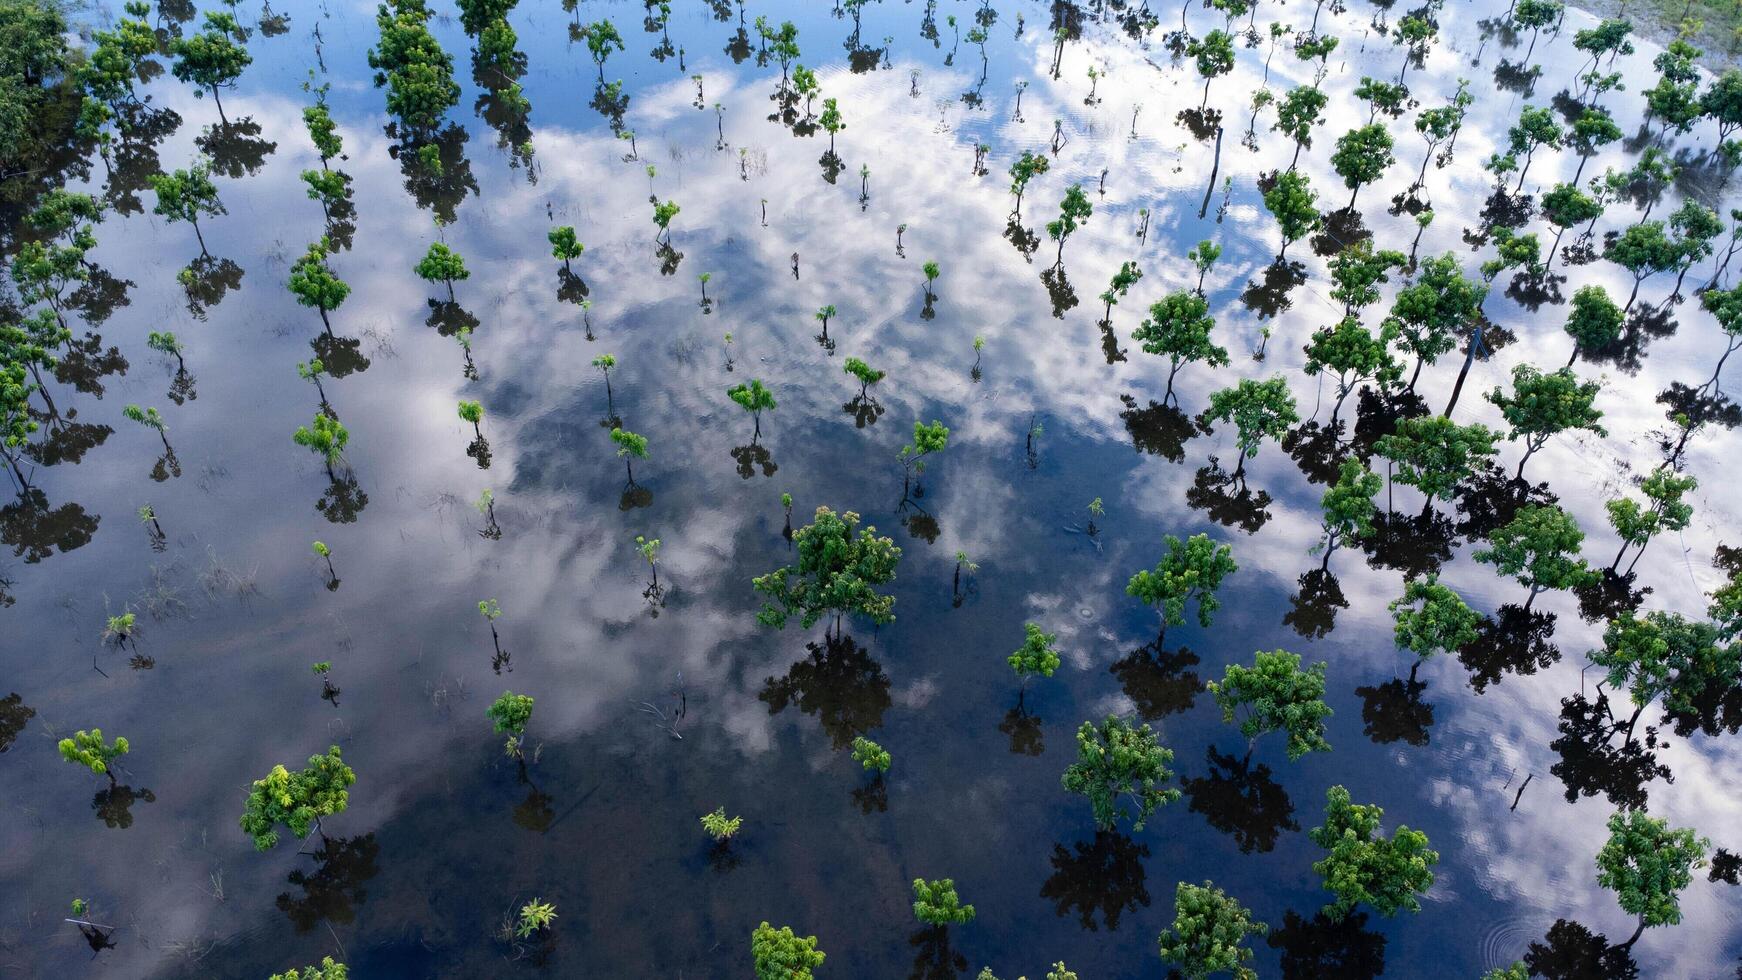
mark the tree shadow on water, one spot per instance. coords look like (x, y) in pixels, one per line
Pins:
(1103, 875)
(1242, 800)
(839, 683)
(1321, 947)
(1158, 682)
(333, 890)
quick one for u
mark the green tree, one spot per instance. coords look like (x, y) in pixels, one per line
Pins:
(1646, 863)
(1298, 116)
(418, 73)
(563, 244)
(753, 397)
(721, 827)
(1215, 57)
(1348, 507)
(1259, 410)
(601, 37)
(1442, 622)
(870, 756)
(831, 121)
(1675, 100)
(149, 418)
(1429, 314)
(326, 437)
(662, 215)
(1118, 762)
(1544, 405)
(297, 800)
(1533, 16)
(442, 264)
(210, 60)
(88, 749)
(1566, 206)
(864, 373)
(1209, 933)
(1128, 276)
(314, 283)
(1191, 569)
(327, 970)
(508, 715)
(1535, 129)
(1027, 167)
(1664, 510)
(1036, 655)
(1362, 156)
(1434, 454)
(1643, 250)
(1667, 656)
(1594, 129)
(473, 412)
(631, 446)
(778, 954)
(186, 195)
(1539, 547)
(1694, 226)
(935, 903)
(1594, 321)
(1179, 326)
(1073, 210)
(1361, 865)
(1275, 694)
(1290, 199)
(838, 571)
(927, 439)
(1358, 271)
(1352, 353)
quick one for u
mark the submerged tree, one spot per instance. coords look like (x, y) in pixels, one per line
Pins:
(327, 969)
(1665, 510)
(418, 73)
(753, 397)
(564, 245)
(314, 283)
(1275, 694)
(1215, 57)
(1594, 321)
(1290, 199)
(89, 749)
(1666, 656)
(1191, 570)
(1027, 167)
(935, 903)
(1362, 866)
(1209, 933)
(1259, 410)
(508, 715)
(442, 264)
(1073, 210)
(1543, 405)
(1351, 352)
(927, 439)
(297, 800)
(1348, 507)
(631, 446)
(1036, 656)
(326, 437)
(1430, 618)
(211, 60)
(1120, 763)
(1434, 454)
(1179, 326)
(779, 954)
(1646, 863)
(187, 195)
(1362, 157)
(1539, 547)
(838, 571)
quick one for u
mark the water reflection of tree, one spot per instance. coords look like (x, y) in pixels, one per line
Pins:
(1490, 499)
(1313, 606)
(331, 892)
(448, 318)
(1243, 801)
(99, 295)
(1058, 290)
(1395, 712)
(1592, 763)
(1102, 875)
(1267, 296)
(1226, 499)
(14, 715)
(1160, 430)
(1513, 641)
(34, 530)
(1608, 596)
(935, 958)
(114, 805)
(1569, 951)
(343, 500)
(67, 442)
(1026, 241)
(839, 683)
(207, 280)
(86, 363)
(340, 356)
(1023, 730)
(236, 149)
(1316, 449)
(750, 458)
(1322, 946)
(1416, 544)
(1158, 682)
(438, 186)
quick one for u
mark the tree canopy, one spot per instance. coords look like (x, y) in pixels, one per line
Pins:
(1191, 569)
(1209, 933)
(1119, 763)
(296, 800)
(838, 571)
(1361, 865)
(1275, 694)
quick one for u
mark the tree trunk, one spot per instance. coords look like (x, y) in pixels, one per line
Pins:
(1463, 372)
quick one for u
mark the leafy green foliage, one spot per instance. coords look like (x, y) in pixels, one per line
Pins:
(1566, 206)
(1646, 863)
(1179, 326)
(1259, 410)
(1297, 116)
(1546, 404)
(1073, 211)
(1362, 155)
(187, 195)
(327, 970)
(935, 903)
(1431, 313)
(418, 73)
(1594, 321)
(324, 436)
(1352, 353)
(1665, 509)
(210, 60)
(870, 756)
(323, 131)
(1027, 167)
(1663, 654)
(1442, 622)
(778, 954)
(313, 282)
(88, 749)
(837, 573)
(1036, 655)
(1358, 271)
(1118, 762)
(663, 213)
(1348, 504)
(1191, 569)
(564, 245)
(753, 397)
(534, 917)
(1434, 454)
(1539, 547)
(865, 373)
(629, 443)
(1275, 694)
(509, 713)
(1361, 865)
(1290, 199)
(296, 800)
(442, 264)
(719, 826)
(1209, 933)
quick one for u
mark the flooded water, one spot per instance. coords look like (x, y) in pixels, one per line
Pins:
(656, 704)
